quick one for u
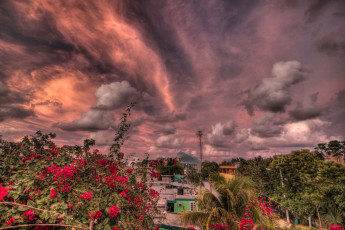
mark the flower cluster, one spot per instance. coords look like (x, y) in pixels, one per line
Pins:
(95, 215)
(246, 224)
(335, 227)
(11, 221)
(113, 211)
(86, 196)
(29, 216)
(3, 192)
(73, 185)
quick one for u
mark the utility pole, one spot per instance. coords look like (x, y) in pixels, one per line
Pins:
(199, 134)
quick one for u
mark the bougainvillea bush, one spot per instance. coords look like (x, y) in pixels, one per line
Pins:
(43, 186)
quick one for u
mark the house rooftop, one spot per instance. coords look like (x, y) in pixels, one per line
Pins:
(187, 158)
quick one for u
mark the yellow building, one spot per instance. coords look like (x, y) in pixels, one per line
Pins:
(228, 169)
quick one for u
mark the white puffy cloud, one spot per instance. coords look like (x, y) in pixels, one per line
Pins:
(272, 93)
(114, 95)
(169, 141)
(224, 135)
(295, 135)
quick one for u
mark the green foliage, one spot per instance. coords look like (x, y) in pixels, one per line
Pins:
(193, 176)
(233, 201)
(208, 168)
(333, 148)
(256, 169)
(170, 166)
(41, 183)
(309, 184)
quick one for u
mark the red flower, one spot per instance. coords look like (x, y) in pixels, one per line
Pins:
(156, 227)
(113, 211)
(53, 193)
(10, 221)
(28, 215)
(96, 215)
(87, 196)
(3, 192)
(129, 170)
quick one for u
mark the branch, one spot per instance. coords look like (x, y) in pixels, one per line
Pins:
(29, 225)
(24, 205)
(43, 210)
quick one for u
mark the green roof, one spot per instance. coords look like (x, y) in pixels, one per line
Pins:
(187, 158)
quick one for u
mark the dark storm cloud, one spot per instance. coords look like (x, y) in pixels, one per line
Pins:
(272, 93)
(167, 129)
(267, 125)
(168, 117)
(9, 97)
(91, 120)
(330, 47)
(48, 102)
(307, 108)
(316, 8)
(14, 112)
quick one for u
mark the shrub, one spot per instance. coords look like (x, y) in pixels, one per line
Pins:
(43, 186)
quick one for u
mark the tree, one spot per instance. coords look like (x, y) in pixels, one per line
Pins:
(256, 169)
(170, 166)
(312, 187)
(234, 203)
(333, 148)
(208, 168)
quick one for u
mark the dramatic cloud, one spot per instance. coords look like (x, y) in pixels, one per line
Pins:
(267, 125)
(72, 67)
(169, 128)
(272, 93)
(307, 108)
(14, 112)
(170, 141)
(115, 95)
(91, 120)
(168, 117)
(330, 47)
(226, 135)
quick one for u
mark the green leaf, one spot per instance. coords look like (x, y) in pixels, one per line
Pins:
(107, 227)
(22, 208)
(106, 220)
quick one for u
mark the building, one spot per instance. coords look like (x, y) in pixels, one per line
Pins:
(228, 169)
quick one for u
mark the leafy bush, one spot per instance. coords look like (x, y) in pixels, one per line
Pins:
(43, 186)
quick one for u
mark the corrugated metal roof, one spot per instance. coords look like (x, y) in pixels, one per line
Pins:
(187, 158)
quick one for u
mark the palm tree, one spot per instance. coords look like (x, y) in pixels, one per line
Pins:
(230, 198)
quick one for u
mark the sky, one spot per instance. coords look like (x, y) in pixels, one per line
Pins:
(257, 77)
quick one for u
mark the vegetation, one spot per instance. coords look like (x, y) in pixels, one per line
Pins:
(303, 183)
(43, 186)
(169, 166)
(234, 207)
(333, 148)
(208, 168)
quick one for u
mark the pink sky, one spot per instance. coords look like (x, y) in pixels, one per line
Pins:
(257, 77)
